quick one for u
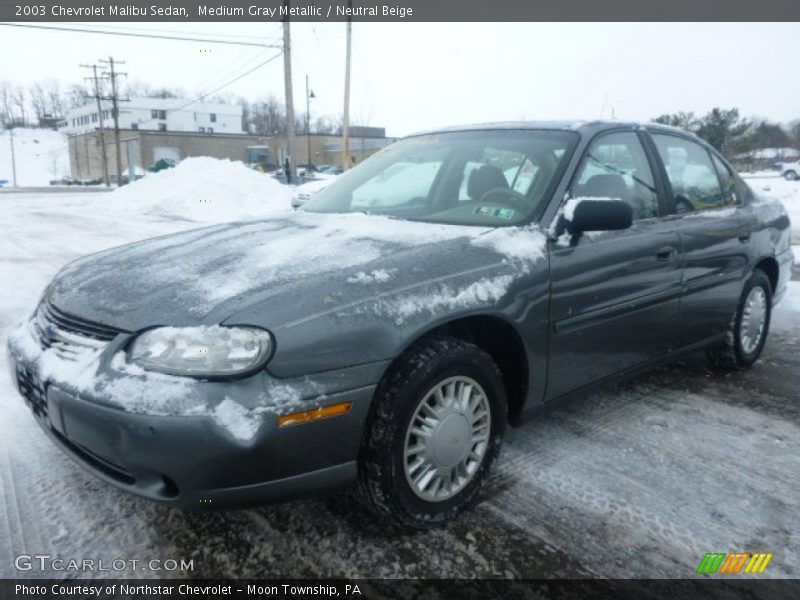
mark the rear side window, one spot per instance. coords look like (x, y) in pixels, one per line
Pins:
(616, 166)
(692, 175)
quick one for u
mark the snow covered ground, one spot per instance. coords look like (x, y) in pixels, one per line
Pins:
(636, 481)
(770, 183)
(40, 155)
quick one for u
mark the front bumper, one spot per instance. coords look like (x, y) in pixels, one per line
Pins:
(195, 461)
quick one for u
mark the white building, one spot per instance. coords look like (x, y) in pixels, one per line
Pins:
(157, 114)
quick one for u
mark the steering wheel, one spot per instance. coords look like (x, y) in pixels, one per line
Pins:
(512, 197)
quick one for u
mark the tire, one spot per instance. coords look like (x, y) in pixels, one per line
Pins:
(740, 348)
(387, 476)
(790, 175)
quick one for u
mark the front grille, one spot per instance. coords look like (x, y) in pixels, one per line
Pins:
(33, 391)
(75, 325)
(69, 336)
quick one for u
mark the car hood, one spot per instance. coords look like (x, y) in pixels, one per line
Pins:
(299, 262)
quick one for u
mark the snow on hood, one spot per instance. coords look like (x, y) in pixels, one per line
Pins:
(190, 273)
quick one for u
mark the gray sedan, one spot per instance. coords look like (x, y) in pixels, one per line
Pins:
(387, 333)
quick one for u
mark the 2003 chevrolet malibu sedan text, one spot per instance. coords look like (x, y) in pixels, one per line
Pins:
(385, 335)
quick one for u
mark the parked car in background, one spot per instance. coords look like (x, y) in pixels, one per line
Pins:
(790, 170)
(304, 192)
(331, 169)
(306, 170)
(389, 331)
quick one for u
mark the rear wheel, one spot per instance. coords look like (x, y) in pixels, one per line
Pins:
(749, 327)
(790, 175)
(433, 434)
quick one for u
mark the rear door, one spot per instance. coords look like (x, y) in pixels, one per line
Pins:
(714, 234)
(614, 295)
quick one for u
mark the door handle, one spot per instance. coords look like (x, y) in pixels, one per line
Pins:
(666, 253)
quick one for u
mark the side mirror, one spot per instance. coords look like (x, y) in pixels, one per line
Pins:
(586, 214)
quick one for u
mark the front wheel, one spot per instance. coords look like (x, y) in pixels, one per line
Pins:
(434, 432)
(749, 327)
(790, 175)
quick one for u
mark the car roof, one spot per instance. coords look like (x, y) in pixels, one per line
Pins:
(584, 127)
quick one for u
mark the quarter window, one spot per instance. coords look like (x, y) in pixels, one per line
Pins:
(616, 166)
(694, 180)
(727, 180)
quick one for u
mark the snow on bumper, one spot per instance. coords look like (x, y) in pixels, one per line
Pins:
(189, 442)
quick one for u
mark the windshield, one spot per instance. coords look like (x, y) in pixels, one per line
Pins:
(497, 177)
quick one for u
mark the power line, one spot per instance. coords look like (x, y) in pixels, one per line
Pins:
(141, 35)
(113, 74)
(176, 31)
(96, 79)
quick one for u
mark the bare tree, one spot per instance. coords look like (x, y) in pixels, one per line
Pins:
(267, 117)
(18, 100)
(137, 89)
(6, 105)
(77, 96)
(55, 99)
(38, 99)
(328, 124)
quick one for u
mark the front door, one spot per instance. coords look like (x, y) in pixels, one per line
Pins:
(615, 295)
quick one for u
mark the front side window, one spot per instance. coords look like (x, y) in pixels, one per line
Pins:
(616, 167)
(494, 177)
(694, 180)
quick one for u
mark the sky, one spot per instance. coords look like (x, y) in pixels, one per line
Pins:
(408, 77)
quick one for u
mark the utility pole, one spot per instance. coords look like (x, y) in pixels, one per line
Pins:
(287, 82)
(115, 110)
(309, 95)
(100, 121)
(13, 158)
(346, 119)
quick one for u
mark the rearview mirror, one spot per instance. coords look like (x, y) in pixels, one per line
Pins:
(586, 214)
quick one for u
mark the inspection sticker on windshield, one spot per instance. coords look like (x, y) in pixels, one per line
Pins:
(493, 211)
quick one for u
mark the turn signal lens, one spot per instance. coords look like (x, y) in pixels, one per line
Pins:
(322, 412)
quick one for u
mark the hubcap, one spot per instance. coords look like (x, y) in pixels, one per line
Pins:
(754, 318)
(447, 438)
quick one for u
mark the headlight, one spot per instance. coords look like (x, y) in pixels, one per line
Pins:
(205, 352)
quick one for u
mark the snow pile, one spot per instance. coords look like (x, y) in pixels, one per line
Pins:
(40, 155)
(202, 189)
